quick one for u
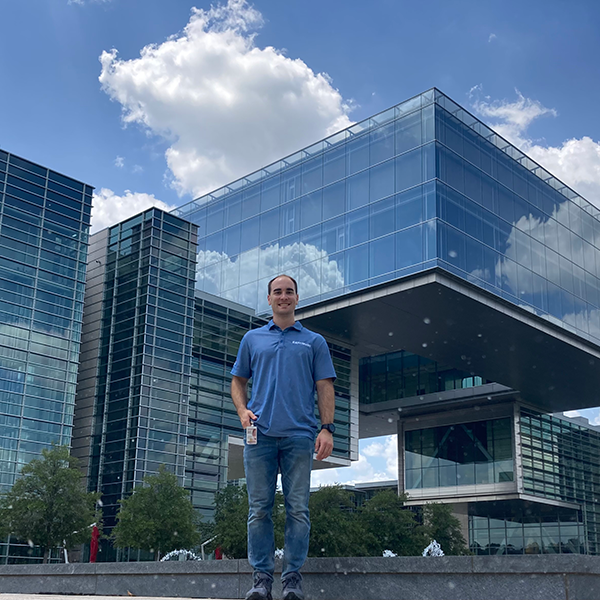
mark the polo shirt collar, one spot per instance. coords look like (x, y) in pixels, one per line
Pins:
(297, 325)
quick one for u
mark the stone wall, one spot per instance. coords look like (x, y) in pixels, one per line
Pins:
(543, 577)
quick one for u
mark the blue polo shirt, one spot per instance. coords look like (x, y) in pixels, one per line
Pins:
(284, 367)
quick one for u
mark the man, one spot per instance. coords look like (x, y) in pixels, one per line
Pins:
(287, 363)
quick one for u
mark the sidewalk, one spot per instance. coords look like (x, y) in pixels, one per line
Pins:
(71, 597)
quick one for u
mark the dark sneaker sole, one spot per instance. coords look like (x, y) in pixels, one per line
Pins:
(257, 596)
(293, 596)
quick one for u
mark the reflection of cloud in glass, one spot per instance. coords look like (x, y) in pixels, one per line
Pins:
(557, 235)
(549, 260)
(244, 278)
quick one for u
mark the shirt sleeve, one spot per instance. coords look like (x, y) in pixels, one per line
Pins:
(242, 366)
(322, 365)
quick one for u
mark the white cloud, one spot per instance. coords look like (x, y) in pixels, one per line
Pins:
(119, 162)
(492, 37)
(378, 461)
(137, 169)
(576, 162)
(572, 413)
(225, 105)
(475, 90)
(109, 208)
(511, 119)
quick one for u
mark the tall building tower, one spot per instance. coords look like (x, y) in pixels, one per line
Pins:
(44, 224)
(134, 377)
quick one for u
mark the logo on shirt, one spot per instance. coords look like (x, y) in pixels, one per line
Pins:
(302, 344)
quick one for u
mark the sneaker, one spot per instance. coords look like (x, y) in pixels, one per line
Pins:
(261, 590)
(292, 587)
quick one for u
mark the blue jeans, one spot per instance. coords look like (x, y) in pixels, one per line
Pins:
(292, 456)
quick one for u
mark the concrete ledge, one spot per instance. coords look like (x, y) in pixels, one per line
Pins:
(542, 577)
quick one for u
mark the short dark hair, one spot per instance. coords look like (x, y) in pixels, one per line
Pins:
(283, 275)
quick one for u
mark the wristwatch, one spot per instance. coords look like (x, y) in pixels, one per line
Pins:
(329, 426)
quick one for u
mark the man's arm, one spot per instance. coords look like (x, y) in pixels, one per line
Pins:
(239, 395)
(326, 402)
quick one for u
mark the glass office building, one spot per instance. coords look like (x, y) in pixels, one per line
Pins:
(561, 462)
(458, 271)
(421, 185)
(44, 224)
(528, 482)
(134, 379)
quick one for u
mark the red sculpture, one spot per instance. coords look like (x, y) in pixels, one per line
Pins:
(94, 544)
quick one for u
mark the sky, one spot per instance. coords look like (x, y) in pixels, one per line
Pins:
(154, 102)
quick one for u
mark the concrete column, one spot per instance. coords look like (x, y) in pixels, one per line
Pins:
(400, 449)
(461, 512)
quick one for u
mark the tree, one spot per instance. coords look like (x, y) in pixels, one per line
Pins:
(335, 527)
(394, 527)
(231, 518)
(158, 516)
(443, 527)
(231, 515)
(48, 503)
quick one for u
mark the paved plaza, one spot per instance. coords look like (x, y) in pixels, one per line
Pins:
(71, 597)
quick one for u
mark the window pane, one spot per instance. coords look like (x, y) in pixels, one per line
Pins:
(358, 190)
(381, 256)
(382, 143)
(357, 264)
(269, 226)
(408, 132)
(250, 230)
(311, 209)
(409, 208)
(357, 153)
(334, 165)
(409, 247)
(334, 200)
(382, 181)
(408, 170)
(357, 225)
(312, 174)
(382, 217)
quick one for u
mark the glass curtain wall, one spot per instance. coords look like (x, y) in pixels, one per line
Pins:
(403, 375)
(351, 211)
(520, 527)
(44, 224)
(509, 227)
(422, 184)
(462, 454)
(141, 408)
(561, 461)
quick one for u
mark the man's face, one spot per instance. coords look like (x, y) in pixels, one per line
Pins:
(283, 298)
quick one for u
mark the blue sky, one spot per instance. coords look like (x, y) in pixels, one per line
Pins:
(156, 101)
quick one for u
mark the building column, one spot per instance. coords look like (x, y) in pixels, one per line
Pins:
(400, 449)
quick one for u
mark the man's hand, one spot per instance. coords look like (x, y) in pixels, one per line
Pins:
(324, 444)
(247, 417)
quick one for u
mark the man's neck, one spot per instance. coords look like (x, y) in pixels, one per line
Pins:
(284, 322)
